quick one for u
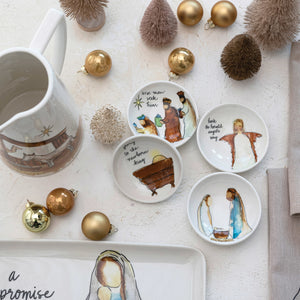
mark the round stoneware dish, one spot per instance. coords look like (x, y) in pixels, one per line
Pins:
(147, 168)
(224, 208)
(232, 138)
(164, 109)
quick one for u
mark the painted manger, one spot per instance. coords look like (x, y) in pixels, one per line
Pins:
(158, 174)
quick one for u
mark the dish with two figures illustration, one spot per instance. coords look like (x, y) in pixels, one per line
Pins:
(163, 109)
(224, 208)
(237, 224)
(147, 168)
(232, 138)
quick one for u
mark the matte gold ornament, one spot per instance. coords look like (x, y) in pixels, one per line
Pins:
(181, 61)
(97, 63)
(223, 14)
(96, 226)
(190, 12)
(36, 218)
(60, 201)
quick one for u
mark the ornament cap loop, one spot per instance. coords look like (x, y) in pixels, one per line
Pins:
(83, 70)
(74, 192)
(29, 204)
(113, 229)
(173, 75)
(209, 24)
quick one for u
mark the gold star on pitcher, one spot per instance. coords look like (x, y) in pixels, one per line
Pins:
(138, 102)
(46, 131)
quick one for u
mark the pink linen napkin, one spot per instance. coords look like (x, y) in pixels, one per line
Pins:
(294, 131)
(284, 240)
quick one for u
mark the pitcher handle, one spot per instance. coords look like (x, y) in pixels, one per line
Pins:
(53, 20)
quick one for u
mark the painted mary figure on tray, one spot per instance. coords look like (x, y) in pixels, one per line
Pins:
(238, 225)
(113, 278)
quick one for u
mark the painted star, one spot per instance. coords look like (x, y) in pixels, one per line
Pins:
(46, 131)
(138, 102)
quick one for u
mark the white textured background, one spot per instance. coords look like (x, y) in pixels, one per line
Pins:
(236, 272)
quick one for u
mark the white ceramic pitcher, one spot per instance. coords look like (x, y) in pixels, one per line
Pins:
(40, 130)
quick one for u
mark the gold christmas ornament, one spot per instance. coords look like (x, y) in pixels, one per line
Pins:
(36, 218)
(190, 12)
(96, 226)
(97, 63)
(181, 61)
(223, 14)
(60, 201)
(107, 124)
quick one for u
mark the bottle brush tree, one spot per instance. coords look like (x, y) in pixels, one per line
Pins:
(159, 24)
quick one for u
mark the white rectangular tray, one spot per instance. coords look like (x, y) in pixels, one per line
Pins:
(65, 268)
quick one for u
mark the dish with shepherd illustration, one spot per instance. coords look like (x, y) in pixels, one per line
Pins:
(113, 278)
(238, 225)
(242, 145)
(158, 174)
(173, 130)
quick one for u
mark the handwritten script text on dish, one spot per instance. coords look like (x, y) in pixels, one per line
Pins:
(33, 293)
(133, 154)
(213, 128)
(152, 97)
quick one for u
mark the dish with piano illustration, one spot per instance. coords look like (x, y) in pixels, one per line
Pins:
(147, 169)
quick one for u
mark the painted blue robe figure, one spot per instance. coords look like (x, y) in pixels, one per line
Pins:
(113, 278)
(238, 225)
(188, 114)
(204, 216)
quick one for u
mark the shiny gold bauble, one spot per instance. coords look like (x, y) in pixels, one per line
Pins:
(223, 14)
(95, 226)
(60, 201)
(36, 218)
(97, 63)
(190, 12)
(181, 61)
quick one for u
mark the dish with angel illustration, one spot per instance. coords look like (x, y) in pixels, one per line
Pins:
(163, 109)
(232, 138)
(224, 208)
(147, 168)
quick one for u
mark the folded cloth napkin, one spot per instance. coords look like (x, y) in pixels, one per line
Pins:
(284, 240)
(294, 131)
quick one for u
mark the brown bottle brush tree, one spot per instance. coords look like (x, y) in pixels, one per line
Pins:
(83, 9)
(273, 23)
(241, 58)
(159, 24)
